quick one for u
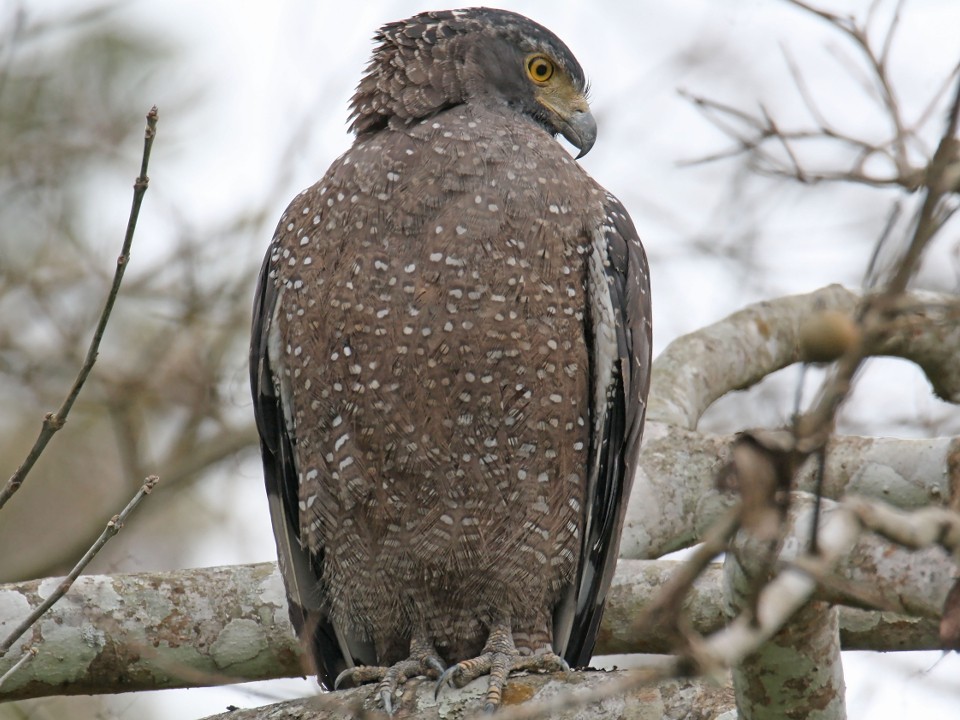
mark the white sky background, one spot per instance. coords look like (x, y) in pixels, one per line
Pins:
(265, 68)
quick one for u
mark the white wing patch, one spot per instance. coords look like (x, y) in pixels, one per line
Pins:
(603, 358)
(604, 322)
(280, 378)
(604, 351)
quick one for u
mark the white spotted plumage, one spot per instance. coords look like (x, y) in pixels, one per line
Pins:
(443, 365)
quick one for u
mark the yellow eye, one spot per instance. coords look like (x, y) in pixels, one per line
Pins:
(540, 68)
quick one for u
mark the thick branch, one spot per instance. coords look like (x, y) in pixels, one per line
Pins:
(123, 633)
(203, 627)
(742, 349)
(674, 497)
(669, 700)
(739, 351)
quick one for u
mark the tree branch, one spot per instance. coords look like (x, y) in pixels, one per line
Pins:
(697, 369)
(195, 628)
(188, 628)
(114, 525)
(805, 649)
(52, 422)
(543, 696)
(675, 499)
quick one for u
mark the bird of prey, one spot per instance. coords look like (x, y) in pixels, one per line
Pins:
(450, 361)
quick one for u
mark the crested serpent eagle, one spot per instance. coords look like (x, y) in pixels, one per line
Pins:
(450, 361)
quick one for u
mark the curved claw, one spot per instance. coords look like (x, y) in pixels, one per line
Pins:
(386, 699)
(341, 677)
(434, 664)
(446, 678)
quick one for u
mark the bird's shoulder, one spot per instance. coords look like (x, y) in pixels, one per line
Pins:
(398, 178)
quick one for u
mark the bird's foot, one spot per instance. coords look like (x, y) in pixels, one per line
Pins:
(423, 661)
(498, 659)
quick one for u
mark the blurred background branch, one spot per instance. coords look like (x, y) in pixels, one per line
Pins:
(67, 103)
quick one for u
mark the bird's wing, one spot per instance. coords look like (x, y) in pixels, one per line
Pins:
(619, 333)
(301, 570)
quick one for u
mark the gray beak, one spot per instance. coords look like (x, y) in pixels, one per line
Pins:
(580, 129)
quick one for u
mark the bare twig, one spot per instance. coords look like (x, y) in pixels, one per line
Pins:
(838, 590)
(53, 421)
(11, 40)
(891, 31)
(876, 320)
(942, 179)
(797, 74)
(874, 315)
(114, 526)
(878, 66)
(821, 475)
(756, 133)
(799, 174)
(29, 655)
(917, 529)
(872, 274)
(751, 134)
(938, 96)
(665, 608)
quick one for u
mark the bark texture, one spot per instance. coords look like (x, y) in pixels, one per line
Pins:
(195, 628)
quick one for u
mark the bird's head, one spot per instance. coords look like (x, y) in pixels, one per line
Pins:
(437, 60)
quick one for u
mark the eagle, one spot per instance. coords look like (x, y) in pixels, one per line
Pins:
(450, 360)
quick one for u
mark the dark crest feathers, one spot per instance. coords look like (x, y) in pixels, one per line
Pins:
(417, 67)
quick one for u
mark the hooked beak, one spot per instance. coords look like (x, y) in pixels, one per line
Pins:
(580, 129)
(571, 115)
